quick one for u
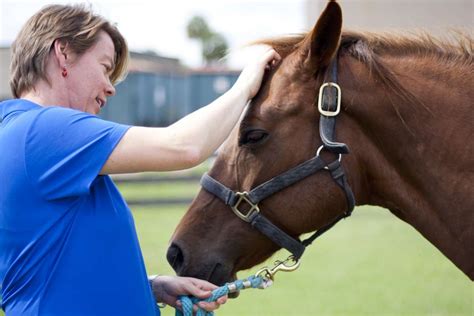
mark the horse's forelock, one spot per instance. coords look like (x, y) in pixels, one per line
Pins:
(284, 45)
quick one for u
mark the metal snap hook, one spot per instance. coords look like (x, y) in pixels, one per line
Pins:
(287, 265)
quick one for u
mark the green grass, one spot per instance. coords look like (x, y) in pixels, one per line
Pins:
(370, 264)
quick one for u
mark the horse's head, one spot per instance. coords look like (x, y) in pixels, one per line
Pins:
(278, 132)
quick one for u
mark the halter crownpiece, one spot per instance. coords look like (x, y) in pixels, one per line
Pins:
(329, 105)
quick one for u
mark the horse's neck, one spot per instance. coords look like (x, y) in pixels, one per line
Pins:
(417, 158)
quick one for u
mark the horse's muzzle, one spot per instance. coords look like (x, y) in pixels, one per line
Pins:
(203, 267)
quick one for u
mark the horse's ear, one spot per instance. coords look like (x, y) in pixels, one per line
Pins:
(323, 41)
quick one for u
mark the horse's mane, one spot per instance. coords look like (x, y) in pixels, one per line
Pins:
(458, 47)
(457, 50)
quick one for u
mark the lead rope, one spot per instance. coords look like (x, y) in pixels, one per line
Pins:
(261, 280)
(253, 282)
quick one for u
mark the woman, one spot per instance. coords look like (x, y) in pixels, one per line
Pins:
(68, 245)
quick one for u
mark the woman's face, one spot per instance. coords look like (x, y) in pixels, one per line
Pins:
(88, 80)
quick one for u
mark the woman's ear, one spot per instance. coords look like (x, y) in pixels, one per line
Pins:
(61, 52)
(322, 43)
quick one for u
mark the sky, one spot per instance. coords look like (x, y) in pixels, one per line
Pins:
(160, 26)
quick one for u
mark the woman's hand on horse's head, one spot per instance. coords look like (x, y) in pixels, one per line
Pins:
(167, 289)
(250, 79)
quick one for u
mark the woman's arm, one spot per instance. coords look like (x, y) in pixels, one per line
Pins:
(195, 137)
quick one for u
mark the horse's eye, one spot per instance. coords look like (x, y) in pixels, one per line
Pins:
(253, 137)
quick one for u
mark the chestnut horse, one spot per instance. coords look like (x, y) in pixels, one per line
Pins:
(407, 117)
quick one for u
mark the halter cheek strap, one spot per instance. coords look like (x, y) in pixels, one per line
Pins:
(237, 200)
(329, 104)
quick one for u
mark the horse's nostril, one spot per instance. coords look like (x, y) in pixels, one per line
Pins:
(175, 257)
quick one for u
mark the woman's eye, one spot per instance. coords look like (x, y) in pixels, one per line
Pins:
(107, 68)
(253, 137)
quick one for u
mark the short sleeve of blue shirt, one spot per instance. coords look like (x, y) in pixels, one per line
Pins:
(66, 150)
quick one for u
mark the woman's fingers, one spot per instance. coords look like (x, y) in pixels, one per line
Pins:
(271, 58)
(175, 286)
(251, 77)
(202, 289)
(222, 300)
(209, 306)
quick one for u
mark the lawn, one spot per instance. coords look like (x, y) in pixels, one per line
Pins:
(369, 264)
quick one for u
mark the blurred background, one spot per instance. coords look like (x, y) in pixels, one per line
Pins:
(186, 53)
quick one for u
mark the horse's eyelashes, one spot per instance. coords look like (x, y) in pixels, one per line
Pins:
(252, 137)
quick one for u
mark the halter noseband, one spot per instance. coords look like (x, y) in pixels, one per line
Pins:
(329, 105)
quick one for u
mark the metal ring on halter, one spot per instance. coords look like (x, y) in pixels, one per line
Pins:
(319, 151)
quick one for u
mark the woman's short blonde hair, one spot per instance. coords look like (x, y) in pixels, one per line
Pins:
(76, 26)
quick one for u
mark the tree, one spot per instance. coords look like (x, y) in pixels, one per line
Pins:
(215, 48)
(213, 45)
(198, 28)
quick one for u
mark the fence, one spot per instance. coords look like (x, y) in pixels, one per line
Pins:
(151, 192)
(162, 188)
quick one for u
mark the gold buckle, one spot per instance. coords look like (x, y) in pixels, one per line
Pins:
(243, 196)
(338, 105)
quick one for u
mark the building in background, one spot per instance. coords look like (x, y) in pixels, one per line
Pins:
(434, 16)
(5, 92)
(157, 91)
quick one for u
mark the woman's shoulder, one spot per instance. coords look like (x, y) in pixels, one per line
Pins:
(31, 111)
(24, 117)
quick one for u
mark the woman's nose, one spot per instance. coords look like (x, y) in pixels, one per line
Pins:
(110, 89)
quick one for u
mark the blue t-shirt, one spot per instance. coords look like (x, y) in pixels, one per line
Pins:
(68, 244)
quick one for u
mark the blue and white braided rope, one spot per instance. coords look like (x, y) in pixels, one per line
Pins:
(188, 301)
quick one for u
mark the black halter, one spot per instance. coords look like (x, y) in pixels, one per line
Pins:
(329, 105)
